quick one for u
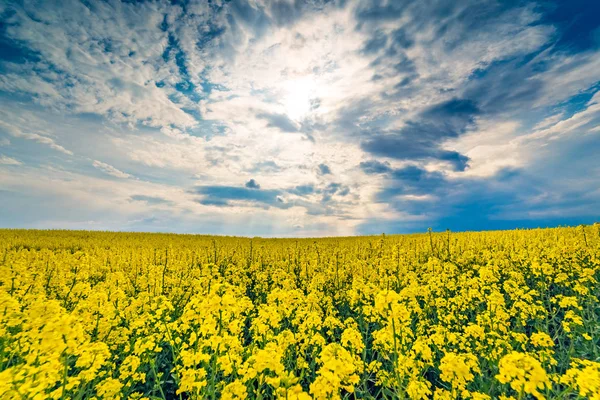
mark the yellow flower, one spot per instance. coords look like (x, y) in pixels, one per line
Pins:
(457, 369)
(418, 389)
(338, 371)
(294, 393)
(352, 339)
(235, 390)
(129, 368)
(110, 389)
(585, 378)
(524, 374)
(191, 380)
(105, 315)
(442, 394)
(570, 320)
(541, 339)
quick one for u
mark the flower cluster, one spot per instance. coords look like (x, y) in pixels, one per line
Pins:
(100, 315)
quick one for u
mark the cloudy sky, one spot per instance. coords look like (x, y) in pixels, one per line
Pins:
(299, 118)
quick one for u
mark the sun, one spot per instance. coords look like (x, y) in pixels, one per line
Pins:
(297, 97)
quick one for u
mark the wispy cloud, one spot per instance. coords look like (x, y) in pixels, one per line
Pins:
(110, 170)
(45, 140)
(5, 160)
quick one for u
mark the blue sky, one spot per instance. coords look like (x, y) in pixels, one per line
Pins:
(299, 118)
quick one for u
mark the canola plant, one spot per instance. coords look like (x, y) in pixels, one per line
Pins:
(473, 315)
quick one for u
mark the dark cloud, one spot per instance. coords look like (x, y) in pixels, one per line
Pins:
(401, 38)
(421, 139)
(457, 110)
(13, 51)
(334, 189)
(243, 13)
(375, 13)
(213, 202)
(251, 184)
(279, 121)
(413, 180)
(404, 65)
(327, 192)
(376, 43)
(221, 195)
(452, 21)
(375, 167)
(303, 190)
(459, 161)
(549, 192)
(455, 25)
(507, 87)
(238, 193)
(285, 12)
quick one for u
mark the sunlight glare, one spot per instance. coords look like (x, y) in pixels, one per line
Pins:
(298, 95)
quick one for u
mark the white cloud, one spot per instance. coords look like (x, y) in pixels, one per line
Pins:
(549, 121)
(568, 76)
(496, 145)
(146, 69)
(5, 160)
(581, 122)
(18, 133)
(110, 170)
(111, 67)
(490, 148)
(186, 153)
(73, 200)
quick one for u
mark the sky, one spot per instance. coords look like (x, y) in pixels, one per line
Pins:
(299, 118)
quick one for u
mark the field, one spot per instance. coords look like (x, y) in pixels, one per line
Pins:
(505, 314)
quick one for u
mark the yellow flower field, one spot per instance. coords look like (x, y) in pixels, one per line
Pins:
(505, 314)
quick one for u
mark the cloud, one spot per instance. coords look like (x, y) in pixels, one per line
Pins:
(222, 195)
(266, 166)
(303, 190)
(110, 170)
(421, 139)
(251, 184)
(334, 188)
(375, 167)
(412, 180)
(151, 200)
(358, 115)
(280, 121)
(298, 197)
(112, 69)
(180, 153)
(18, 133)
(5, 160)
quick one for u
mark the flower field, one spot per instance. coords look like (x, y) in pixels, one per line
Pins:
(474, 315)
